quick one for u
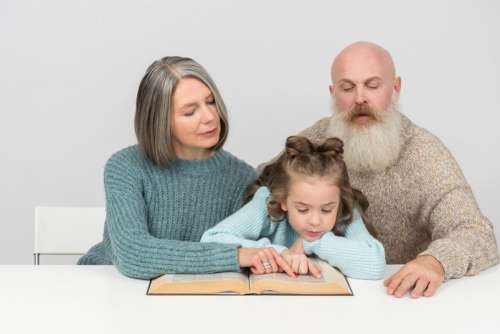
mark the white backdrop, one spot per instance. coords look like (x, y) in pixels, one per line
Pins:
(69, 72)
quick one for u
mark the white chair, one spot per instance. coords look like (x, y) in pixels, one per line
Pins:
(66, 231)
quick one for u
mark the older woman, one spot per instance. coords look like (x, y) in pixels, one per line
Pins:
(162, 194)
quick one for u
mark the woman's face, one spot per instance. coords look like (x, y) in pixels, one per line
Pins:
(195, 120)
(312, 205)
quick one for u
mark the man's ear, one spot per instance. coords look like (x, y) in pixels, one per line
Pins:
(331, 88)
(397, 84)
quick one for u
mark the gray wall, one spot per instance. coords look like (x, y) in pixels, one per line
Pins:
(69, 71)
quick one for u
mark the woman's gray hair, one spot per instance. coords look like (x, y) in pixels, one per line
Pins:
(153, 116)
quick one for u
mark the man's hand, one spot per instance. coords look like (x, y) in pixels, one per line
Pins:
(423, 276)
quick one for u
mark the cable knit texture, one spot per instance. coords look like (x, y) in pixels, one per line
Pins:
(357, 255)
(422, 204)
(155, 216)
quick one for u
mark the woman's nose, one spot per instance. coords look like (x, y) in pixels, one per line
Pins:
(208, 114)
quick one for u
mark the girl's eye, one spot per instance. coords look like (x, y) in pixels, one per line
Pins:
(189, 113)
(326, 210)
(211, 102)
(302, 210)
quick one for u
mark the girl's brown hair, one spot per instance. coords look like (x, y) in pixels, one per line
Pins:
(304, 158)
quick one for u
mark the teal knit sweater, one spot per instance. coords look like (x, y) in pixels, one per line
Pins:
(357, 255)
(155, 217)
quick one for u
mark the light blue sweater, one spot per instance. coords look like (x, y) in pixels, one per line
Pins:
(155, 216)
(357, 255)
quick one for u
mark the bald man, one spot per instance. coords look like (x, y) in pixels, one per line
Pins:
(420, 203)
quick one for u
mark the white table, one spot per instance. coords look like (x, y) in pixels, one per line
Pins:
(98, 299)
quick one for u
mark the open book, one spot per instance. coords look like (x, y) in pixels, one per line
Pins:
(332, 282)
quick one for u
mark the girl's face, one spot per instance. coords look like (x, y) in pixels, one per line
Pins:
(312, 205)
(195, 120)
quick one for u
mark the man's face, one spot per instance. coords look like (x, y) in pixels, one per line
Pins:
(363, 86)
(366, 117)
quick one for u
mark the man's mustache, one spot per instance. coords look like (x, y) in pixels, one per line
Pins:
(361, 110)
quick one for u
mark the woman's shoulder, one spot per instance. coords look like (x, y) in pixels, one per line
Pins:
(125, 161)
(129, 156)
(124, 170)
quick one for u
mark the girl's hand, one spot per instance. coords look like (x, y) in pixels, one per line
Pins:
(301, 264)
(298, 246)
(263, 261)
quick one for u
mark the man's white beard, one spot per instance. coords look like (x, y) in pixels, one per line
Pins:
(370, 148)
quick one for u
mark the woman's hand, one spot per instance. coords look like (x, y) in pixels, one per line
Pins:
(263, 261)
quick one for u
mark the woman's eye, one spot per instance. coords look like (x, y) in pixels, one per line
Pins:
(211, 102)
(189, 113)
(326, 210)
(302, 210)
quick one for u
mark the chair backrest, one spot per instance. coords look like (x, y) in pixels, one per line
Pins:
(64, 230)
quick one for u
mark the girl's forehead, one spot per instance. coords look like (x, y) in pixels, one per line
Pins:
(300, 180)
(313, 189)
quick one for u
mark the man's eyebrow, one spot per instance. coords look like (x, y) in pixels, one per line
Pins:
(343, 80)
(373, 79)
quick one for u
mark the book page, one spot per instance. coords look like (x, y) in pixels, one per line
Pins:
(235, 283)
(332, 282)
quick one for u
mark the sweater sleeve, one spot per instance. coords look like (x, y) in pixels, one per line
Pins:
(357, 255)
(462, 237)
(138, 254)
(246, 226)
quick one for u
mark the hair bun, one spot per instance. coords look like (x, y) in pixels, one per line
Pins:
(296, 145)
(332, 145)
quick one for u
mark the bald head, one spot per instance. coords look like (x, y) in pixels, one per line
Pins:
(365, 57)
(363, 76)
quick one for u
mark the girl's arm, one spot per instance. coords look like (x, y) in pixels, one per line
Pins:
(246, 226)
(357, 255)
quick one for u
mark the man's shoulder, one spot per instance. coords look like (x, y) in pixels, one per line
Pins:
(422, 142)
(427, 156)
(318, 131)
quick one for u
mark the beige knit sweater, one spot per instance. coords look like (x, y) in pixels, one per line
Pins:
(422, 204)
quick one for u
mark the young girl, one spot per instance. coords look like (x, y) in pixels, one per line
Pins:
(303, 204)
